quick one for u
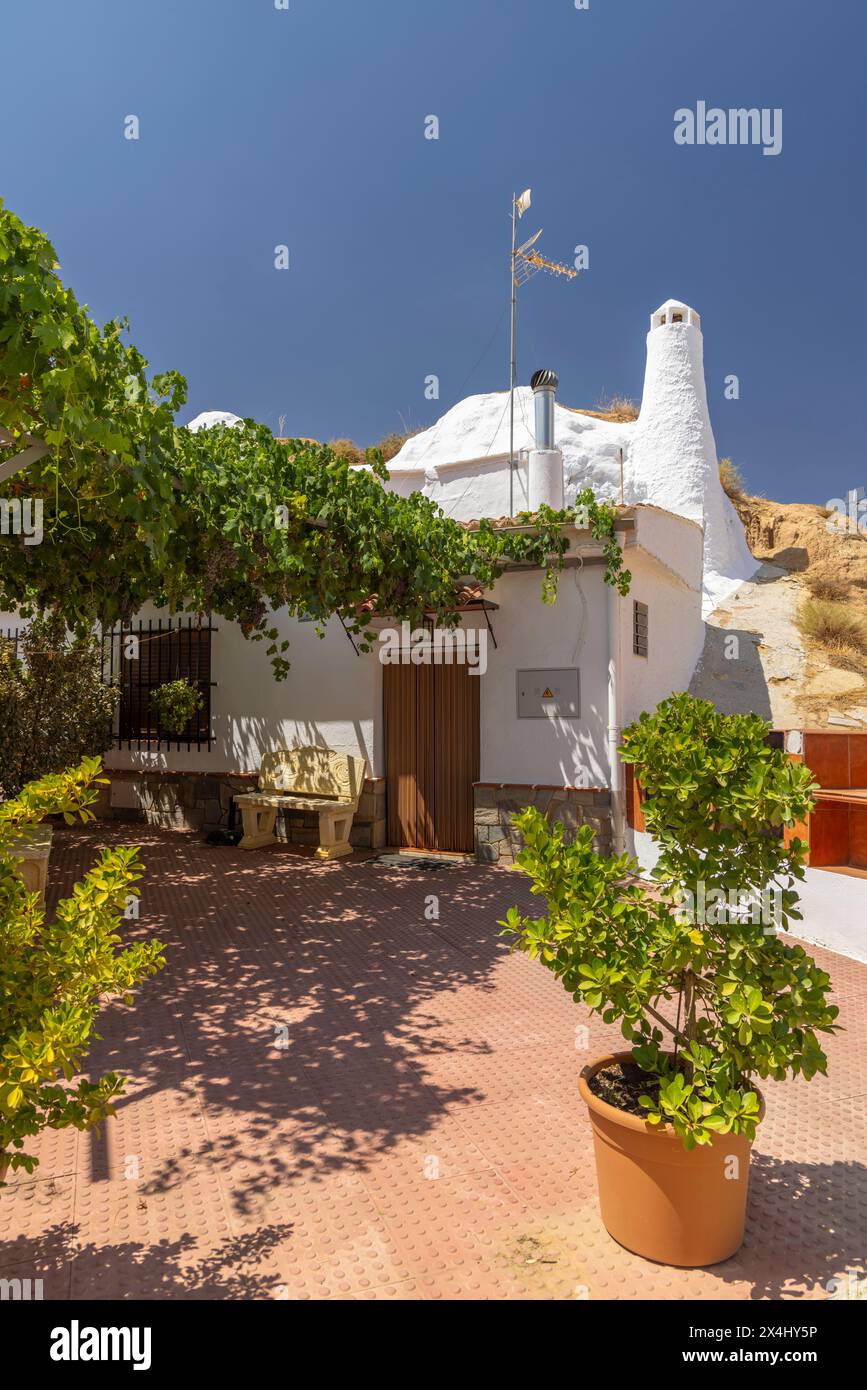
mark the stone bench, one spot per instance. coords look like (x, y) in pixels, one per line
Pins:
(315, 780)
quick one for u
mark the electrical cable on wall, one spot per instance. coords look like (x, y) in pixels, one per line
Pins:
(582, 628)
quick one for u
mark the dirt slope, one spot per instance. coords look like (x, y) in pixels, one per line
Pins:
(795, 536)
(770, 667)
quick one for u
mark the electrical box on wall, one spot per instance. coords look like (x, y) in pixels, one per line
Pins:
(551, 694)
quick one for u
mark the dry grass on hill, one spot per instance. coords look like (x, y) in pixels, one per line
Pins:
(620, 409)
(617, 410)
(390, 446)
(827, 587)
(347, 449)
(839, 629)
(731, 478)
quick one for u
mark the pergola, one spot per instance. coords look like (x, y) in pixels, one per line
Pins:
(35, 449)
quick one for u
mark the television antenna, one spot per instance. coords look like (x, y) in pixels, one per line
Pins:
(524, 263)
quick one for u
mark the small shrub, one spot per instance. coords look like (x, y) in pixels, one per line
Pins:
(832, 624)
(731, 478)
(828, 587)
(55, 707)
(55, 975)
(354, 454)
(349, 450)
(848, 659)
(391, 445)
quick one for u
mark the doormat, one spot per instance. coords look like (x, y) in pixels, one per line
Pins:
(421, 863)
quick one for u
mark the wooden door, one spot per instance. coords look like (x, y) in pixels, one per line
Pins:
(432, 755)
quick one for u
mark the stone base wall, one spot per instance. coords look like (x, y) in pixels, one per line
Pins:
(498, 842)
(202, 802)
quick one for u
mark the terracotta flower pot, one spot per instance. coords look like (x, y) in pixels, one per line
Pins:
(657, 1199)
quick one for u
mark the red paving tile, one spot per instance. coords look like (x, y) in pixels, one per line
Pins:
(331, 1096)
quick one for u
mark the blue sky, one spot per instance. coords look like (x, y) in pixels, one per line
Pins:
(305, 127)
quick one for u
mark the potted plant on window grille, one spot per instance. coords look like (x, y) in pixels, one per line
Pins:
(175, 703)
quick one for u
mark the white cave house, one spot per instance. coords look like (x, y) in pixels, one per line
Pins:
(450, 751)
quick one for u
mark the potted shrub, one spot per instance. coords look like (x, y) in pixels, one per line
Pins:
(54, 975)
(31, 850)
(55, 708)
(174, 704)
(707, 993)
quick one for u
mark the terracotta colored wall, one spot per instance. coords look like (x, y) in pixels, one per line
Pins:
(838, 829)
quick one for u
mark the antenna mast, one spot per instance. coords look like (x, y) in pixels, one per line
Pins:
(512, 359)
(523, 264)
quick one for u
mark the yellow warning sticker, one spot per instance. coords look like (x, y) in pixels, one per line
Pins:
(547, 694)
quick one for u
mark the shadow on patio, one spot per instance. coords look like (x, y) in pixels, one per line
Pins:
(302, 1001)
(343, 1085)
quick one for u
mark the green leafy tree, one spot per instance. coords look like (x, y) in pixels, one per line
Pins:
(55, 707)
(707, 1000)
(230, 521)
(76, 399)
(54, 975)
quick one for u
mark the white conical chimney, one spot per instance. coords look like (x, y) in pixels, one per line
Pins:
(673, 451)
(673, 460)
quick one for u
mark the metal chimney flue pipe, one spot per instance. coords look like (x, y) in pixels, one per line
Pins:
(545, 462)
(544, 384)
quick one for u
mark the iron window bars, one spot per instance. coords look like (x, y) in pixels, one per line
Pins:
(141, 656)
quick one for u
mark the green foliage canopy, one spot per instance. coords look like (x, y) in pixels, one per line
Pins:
(230, 521)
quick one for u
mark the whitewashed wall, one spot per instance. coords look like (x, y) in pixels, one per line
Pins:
(666, 571)
(331, 697)
(530, 635)
(467, 489)
(334, 698)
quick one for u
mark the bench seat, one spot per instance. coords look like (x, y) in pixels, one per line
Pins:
(311, 779)
(293, 803)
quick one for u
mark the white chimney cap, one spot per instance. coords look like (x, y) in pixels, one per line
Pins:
(674, 311)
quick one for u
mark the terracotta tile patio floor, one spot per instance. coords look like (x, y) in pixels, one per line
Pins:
(333, 1093)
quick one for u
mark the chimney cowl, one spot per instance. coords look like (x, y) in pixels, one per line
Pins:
(544, 379)
(544, 384)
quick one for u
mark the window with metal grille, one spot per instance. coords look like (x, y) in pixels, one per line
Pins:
(639, 628)
(141, 656)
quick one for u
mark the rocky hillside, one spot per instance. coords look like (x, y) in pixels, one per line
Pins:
(795, 536)
(791, 643)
